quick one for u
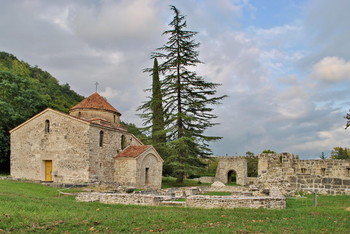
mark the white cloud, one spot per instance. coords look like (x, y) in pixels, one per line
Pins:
(113, 24)
(332, 69)
(109, 41)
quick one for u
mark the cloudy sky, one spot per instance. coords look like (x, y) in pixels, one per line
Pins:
(285, 65)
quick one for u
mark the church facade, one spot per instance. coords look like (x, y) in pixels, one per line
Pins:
(87, 145)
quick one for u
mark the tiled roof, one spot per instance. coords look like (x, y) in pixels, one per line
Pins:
(95, 101)
(133, 151)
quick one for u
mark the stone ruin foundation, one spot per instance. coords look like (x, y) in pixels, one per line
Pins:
(289, 174)
(238, 199)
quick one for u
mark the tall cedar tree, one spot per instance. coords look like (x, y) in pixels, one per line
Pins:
(187, 99)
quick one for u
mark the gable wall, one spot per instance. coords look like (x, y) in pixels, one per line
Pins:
(66, 145)
(154, 174)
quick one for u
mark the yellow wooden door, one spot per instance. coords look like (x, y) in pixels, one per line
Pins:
(48, 170)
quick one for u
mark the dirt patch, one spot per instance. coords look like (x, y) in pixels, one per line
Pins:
(348, 209)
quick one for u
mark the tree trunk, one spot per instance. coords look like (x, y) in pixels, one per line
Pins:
(180, 178)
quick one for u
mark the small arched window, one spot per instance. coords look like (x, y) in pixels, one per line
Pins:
(114, 118)
(79, 114)
(123, 142)
(47, 126)
(101, 139)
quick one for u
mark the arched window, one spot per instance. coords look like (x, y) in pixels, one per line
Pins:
(114, 118)
(123, 142)
(101, 139)
(79, 114)
(47, 126)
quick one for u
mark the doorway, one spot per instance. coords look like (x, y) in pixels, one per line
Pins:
(48, 170)
(146, 176)
(231, 177)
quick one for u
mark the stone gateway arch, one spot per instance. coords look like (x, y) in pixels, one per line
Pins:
(228, 166)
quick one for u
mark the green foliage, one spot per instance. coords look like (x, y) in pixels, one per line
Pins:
(211, 165)
(170, 182)
(340, 153)
(268, 151)
(322, 156)
(187, 99)
(252, 165)
(25, 91)
(153, 116)
(137, 132)
(348, 122)
(33, 208)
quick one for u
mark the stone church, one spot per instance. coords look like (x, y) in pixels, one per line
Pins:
(87, 145)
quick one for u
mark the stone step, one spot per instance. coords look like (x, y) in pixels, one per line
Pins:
(173, 203)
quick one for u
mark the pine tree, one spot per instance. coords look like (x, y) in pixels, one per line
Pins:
(187, 99)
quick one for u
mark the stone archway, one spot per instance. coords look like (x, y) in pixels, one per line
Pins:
(228, 165)
(231, 177)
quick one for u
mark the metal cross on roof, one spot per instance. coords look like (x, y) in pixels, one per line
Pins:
(96, 85)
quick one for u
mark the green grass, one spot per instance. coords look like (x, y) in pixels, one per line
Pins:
(170, 182)
(217, 193)
(26, 208)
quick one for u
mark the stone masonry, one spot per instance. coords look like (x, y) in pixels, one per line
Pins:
(290, 174)
(86, 146)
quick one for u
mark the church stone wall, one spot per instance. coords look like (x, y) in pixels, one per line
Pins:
(102, 157)
(65, 144)
(125, 171)
(88, 114)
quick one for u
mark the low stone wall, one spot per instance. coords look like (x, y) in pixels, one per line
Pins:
(198, 201)
(230, 202)
(235, 190)
(116, 198)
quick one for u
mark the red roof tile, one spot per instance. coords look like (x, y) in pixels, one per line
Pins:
(133, 151)
(95, 101)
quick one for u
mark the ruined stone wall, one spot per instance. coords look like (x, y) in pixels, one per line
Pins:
(149, 171)
(227, 164)
(230, 202)
(337, 168)
(115, 198)
(66, 144)
(290, 174)
(322, 185)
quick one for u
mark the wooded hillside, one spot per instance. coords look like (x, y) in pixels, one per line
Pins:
(26, 90)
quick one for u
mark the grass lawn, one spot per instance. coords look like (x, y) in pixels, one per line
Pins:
(170, 182)
(26, 207)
